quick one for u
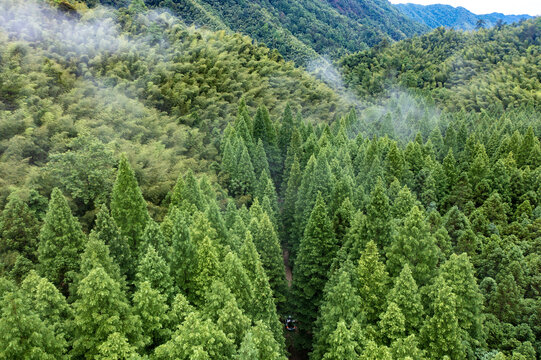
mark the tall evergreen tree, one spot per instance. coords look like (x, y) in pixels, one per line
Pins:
(61, 242)
(372, 282)
(405, 294)
(106, 230)
(316, 254)
(151, 307)
(414, 245)
(441, 332)
(128, 207)
(101, 310)
(270, 252)
(19, 230)
(154, 269)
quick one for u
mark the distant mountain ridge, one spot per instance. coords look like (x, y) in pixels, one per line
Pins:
(454, 17)
(300, 30)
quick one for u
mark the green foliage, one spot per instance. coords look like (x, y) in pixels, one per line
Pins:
(61, 242)
(128, 207)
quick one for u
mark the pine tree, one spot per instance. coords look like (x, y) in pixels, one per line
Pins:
(441, 332)
(287, 127)
(183, 253)
(61, 242)
(290, 199)
(260, 344)
(312, 265)
(406, 296)
(23, 334)
(221, 307)
(378, 217)
(128, 207)
(195, 337)
(259, 159)
(343, 345)
(155, 270)
(153, 236)
(263, 307)
(19, 229)
(101, 310)
(341, 302)
(414, 245)
(372, 282)
(207, 268)
(151, 307)
(268, 247)
(458, 274)
(106, 230)
(373, 351)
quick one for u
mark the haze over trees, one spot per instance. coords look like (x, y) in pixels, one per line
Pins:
(154, 176)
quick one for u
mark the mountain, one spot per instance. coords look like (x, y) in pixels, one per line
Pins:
(496, 67)
(454, 17)
(301, 30)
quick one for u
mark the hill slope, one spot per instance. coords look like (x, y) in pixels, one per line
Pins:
(454, 17)
(299, 29)
(493, 67)
(144, 84)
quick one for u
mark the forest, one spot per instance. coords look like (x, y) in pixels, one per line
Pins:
(169, 191)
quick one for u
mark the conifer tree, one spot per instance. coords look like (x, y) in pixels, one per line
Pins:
(414, 245)
(287, 127)
(316, 253)
(441, 332)
(154, 269)
(263, 307)
(372, 282)
(238, 281)
(183, 253)
(259, 159)
(61, 242)
(221, 307)
(259, 344)
(343, 344)
(458, 274)
(116, 347)
(23, 334)
(49, 304)
(243, 179)
(151, 307)
(153, 236)
(195, 338)
(101, 310)
(407, 348)
(19, 229)
(405, 294)
(97, 253)
(373, 351)
(128, 207)
(106, 230)
(268, 246)
(207, 268)
(290, 199)
(341, 302)
(392, 323)
(378, 216)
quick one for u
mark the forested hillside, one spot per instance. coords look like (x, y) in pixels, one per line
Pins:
(173, 192)
(300, 30)
(492, 68)
(459, 18)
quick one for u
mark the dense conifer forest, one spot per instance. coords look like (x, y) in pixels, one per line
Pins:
(175, 192)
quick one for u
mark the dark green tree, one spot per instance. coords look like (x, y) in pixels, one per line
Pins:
(61, 242)
(128, 207)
